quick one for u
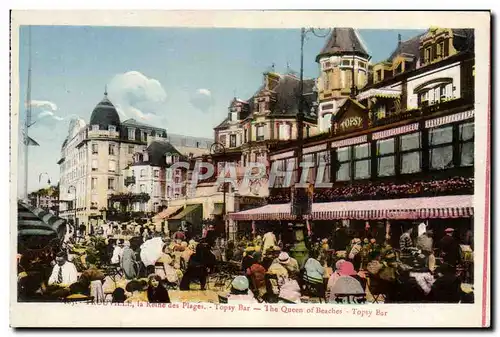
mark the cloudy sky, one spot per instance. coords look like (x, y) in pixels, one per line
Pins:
(179, 78)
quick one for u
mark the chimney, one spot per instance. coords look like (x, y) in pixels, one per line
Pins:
(399, 40)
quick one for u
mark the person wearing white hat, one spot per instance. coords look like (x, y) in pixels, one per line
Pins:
(291, 265)
(240, 292)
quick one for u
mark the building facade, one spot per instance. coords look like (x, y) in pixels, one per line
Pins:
(404, 142)
(93, 157)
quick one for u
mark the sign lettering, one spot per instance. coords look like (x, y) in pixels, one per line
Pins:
(351, 122)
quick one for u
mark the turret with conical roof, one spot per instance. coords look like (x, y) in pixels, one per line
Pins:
(343, 71)
(343, 41)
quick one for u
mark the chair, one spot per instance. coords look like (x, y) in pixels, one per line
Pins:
(114, 271)
(269, 279)
(377, 288)
(314, 289)
(350, 298)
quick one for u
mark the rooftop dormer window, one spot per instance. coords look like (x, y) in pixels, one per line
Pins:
(112, 128)
(95, 127)
(131, 133)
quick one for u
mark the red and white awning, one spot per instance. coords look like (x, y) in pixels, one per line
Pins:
(395, 131)
(461, 116)
(267, 212)
(349, 141)
(446, 207)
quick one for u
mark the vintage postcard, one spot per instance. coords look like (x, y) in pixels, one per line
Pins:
(250, 169)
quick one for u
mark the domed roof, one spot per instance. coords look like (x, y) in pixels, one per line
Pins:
(105, 114)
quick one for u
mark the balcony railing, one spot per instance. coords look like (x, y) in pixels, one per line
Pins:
(382, 190)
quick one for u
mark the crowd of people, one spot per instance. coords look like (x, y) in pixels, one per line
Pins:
(144, 265)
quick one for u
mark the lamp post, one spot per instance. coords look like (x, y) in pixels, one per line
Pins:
(219, 148)
(300, 250)
(74, 206)
(39, 180)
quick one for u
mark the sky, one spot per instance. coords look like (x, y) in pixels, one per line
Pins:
(181, 79)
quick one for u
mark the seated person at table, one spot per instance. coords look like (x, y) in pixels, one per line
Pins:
(64, 273)
(240, 292)
(290, 264)
(313, 271)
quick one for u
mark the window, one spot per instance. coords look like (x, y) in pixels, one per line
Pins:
(399, 68)
(427, 55)
(344, 158)
(309, 158)
(326, 79)
(95, 127)
(386, 157)
(95, 148)
(441, 148)
(361, 64)
(327, 65)
(93, 183)
(144, 136)
(94, 165)
(362, 161)
(111, 150)
(131, 133)
(323, 158)
(143, 188)
(260, 132)
(233, 116)
(346, 62)
(466, 144)
(157, 173)
(111, 183)
(112, 128)
(379, 75)
(262, 107)
(284, 131)
(112, 166)
(131, 149)
(410, 147)
(232, 141)
(143, 173)
(440, 49)
(222, 139)
(169, 174)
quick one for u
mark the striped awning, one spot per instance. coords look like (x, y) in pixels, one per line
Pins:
(188, 209)
(350, 141)
(267, 212)
(395, 131)
(396, 209)
(166, 213)
(387, 93)
(35, 221)
(432, 123)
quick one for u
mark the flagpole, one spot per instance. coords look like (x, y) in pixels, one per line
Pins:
(28, 118)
